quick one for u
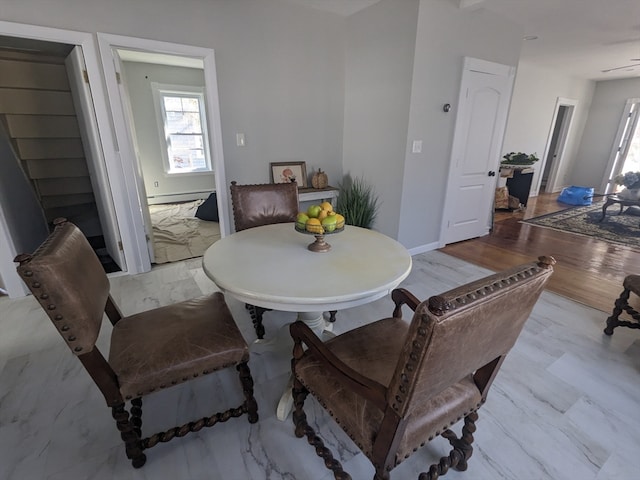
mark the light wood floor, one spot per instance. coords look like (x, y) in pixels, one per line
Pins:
(588, 271)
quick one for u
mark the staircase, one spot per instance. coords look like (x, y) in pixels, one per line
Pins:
(37, 111)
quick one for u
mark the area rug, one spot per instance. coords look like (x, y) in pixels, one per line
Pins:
(622, 229)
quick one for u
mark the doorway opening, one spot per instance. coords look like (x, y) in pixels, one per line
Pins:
(45, 125)
(550, 179)
(139, 75)
(625, 155)
(166, 114)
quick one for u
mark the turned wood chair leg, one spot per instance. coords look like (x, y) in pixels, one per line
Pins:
(247, 387)
(613, 321)
(132, 443)
(382, 474)
(298, 416)
(302, 428)
(459, 455)
(136, 415)
(256, 317)
(622, 305)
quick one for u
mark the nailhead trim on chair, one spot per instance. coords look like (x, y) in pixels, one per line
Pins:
(324, 405)
(410, 366)
(175, 382)
(438, 432)
(68, 337)
(45, 296)
(438, 306)
(361, 447)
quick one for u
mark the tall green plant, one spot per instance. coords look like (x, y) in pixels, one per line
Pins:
(357, 202)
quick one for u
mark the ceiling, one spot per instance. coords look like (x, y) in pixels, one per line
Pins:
(579, 37)
(584, 38)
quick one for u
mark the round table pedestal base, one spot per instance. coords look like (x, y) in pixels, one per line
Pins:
(319, 245)
(282, 341)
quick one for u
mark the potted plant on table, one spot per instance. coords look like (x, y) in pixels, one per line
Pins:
(519, 158)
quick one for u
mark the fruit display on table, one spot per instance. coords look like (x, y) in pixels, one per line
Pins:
(319, 219)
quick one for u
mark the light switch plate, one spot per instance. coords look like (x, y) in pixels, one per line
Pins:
(417, 146)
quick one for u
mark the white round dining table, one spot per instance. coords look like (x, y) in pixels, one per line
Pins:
(271, 267)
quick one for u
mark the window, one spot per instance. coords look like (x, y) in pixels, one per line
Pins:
(182, 121)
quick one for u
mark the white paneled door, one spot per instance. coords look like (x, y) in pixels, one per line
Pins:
(90, 134)
(483, 104)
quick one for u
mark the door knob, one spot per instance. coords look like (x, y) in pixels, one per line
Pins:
(491, 173)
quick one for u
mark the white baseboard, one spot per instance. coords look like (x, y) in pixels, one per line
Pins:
(424, 248)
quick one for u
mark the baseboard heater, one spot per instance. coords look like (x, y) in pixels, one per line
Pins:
(178, 197)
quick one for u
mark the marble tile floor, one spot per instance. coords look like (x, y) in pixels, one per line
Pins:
(566, 404)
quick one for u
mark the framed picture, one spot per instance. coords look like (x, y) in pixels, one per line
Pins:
(289, 172)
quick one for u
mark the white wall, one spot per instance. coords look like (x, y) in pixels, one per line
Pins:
(380, 53)
(280, 68)
(531, 114)
(138, 78)
(606, 110)
(445, 35)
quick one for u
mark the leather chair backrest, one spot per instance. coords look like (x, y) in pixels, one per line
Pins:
(66, 277)
(454, 334)
(264, 204)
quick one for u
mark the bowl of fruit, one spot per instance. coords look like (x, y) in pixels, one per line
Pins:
(319, 220)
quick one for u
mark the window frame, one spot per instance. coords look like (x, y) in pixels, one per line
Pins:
(160, 91)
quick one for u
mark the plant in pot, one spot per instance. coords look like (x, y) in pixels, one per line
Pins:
(519, 158)
(357, 202)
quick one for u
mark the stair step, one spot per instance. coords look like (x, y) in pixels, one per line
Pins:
(66, 200)
(43, 126)
(39, 102)
(84, 216)
(57, 168)
(63, 186)
(41, 76)
(46, 148)
(70, 212)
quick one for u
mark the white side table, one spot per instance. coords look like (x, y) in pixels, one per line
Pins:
(312, 194)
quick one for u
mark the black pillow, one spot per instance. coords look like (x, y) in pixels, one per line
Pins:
(209, 209)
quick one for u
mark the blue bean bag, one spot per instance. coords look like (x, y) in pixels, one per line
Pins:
(576, 195)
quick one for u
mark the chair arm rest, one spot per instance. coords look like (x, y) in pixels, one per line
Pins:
(358, 383)
(400, 296)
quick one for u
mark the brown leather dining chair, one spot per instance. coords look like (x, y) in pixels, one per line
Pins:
(258, 205)
(622, 306)
(263, 204)
(393, 385)
(149, 351)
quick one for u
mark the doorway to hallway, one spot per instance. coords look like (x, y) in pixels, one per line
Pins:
(550, 180)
